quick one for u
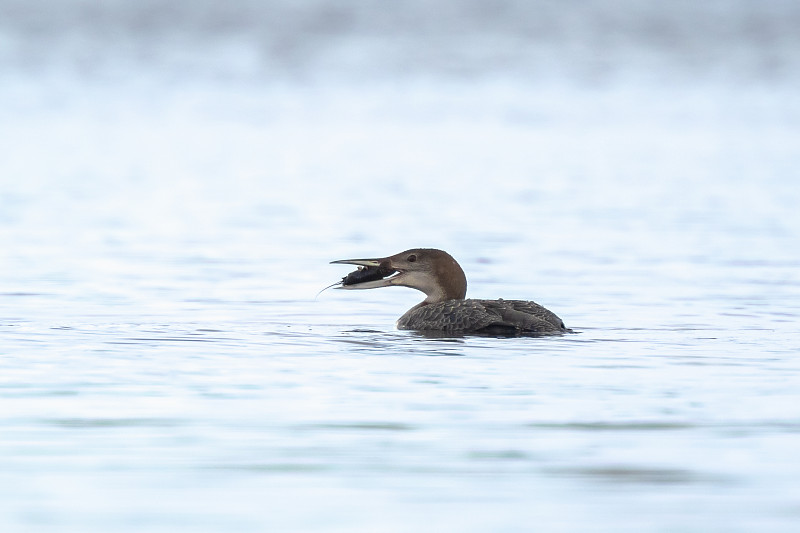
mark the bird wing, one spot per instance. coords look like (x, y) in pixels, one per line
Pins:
(531, 309)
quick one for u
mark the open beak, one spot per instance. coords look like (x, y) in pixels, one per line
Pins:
(375, 273)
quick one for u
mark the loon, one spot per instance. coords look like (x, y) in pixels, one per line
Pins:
(445, 308)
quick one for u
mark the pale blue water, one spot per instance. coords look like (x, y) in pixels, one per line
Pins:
(172, 188)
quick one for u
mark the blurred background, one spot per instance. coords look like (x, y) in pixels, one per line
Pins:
(584, 42)
(357, 127)
(176, 175)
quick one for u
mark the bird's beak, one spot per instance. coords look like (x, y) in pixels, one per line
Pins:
(359, 262)
(387, 281)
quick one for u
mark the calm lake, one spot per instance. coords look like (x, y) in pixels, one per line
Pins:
(172, 191)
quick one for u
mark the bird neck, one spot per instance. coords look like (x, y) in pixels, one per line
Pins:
(451, 283)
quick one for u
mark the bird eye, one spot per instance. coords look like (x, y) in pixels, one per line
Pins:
(411, 258)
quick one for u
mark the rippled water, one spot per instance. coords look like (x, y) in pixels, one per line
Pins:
(166, 363)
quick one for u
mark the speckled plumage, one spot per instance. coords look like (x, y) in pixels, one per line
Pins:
(505, 317)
